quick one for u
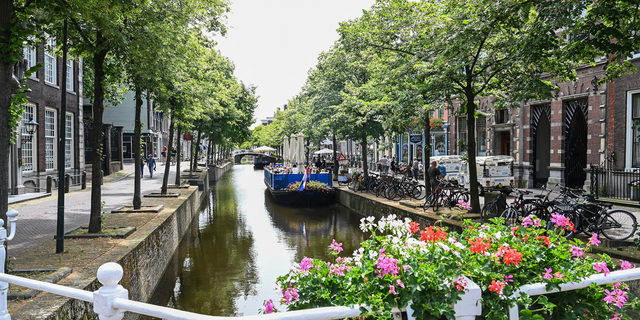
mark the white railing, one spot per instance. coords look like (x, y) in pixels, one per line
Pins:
(111, 300)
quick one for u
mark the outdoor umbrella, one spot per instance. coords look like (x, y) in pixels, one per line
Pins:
(263, 149)
(323, 151)
(285, 150)
(293, 149)
(301, 156)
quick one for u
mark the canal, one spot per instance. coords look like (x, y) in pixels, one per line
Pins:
(243, 241)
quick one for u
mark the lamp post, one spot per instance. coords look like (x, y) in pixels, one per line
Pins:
(31, 127)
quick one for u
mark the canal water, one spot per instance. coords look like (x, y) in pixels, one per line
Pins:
(243, 241)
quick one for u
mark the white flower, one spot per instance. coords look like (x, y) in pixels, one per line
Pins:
(373, 254)
(459, 245)
(452, 240)
(443, 246)
(371, 219)
(498, 235)
(395, 240)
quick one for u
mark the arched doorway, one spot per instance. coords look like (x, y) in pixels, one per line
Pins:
(541, 134)
(575, 159)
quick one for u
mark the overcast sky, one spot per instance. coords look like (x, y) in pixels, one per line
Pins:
(274, 43)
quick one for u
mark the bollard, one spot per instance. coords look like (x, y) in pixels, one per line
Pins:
(12, 217)
(84, 180)
(49, 184)
(101, 177)
(67, 182)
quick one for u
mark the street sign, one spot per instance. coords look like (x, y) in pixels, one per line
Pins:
(341, 157)
(415, 138)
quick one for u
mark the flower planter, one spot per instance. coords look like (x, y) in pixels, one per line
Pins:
(343, 177)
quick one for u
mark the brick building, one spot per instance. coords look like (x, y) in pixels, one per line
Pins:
(35, 157)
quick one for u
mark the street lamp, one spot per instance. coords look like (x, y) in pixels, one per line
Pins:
(31, 127)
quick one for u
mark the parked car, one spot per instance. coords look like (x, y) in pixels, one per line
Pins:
(493, 172)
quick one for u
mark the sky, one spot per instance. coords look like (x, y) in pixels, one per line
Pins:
(274, 43)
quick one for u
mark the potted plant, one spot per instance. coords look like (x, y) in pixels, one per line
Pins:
(402, 264)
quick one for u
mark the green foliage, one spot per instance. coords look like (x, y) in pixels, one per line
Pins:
(395, 268)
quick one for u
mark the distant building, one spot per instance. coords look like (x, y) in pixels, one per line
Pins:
(267, 121)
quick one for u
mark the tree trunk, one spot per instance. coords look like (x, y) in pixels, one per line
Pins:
(178, 153)
(95, 223)
(167, 167)
(471, 150)
(137, 198)
(427, 153)
(335, 158)
(363, 143)
(6, 74)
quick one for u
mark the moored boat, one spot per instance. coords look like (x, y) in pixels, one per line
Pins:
(285, 188)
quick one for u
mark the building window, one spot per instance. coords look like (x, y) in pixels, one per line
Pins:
(50, 138)
(50, 63)
(30, 57)
(69, 75)
(502, 116)
(481, 127)
(28, 160)
(68, 141)
(462, 135)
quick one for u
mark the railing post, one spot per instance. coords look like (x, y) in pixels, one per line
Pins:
(67, 183)
(109, 274)
(12, 217)
(49, 184)
(470, 306)
(84, 180)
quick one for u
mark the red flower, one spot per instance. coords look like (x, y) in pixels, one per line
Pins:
(547, 243)
(479, 246)
(512, 256)
(415, 227)
(496, 286)
(433, 234)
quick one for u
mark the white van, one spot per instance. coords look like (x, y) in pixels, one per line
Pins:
(453, 164)
(493, 171)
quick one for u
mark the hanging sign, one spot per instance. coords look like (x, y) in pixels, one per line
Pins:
(415, 138)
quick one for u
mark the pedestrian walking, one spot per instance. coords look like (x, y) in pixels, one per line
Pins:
(142, 166)
(415, 167)
(151, 162)
(434, 175)
(173, 154)
(394, 165)
(443, 170)
(383, 162)
(164, 154)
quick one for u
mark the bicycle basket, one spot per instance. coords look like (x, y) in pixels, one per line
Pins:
(387, 178)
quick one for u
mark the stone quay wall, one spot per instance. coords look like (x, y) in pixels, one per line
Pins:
(144, 256)
(215, 171)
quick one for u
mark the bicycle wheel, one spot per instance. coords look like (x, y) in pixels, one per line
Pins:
(589, 218)
(618, 225)
(489, 211)
(510, 216)
(419, 192)
(428, 202)
(394, 193)
(552, 227)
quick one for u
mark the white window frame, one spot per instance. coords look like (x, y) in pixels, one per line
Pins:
(29, 154)
(629, 142)
(68, 141)
(50, 63)
(70, 75)
(50, 135)
(30, 54)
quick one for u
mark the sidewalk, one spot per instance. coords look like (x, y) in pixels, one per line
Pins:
(37, 218)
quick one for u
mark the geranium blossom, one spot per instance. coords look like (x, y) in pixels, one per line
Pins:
(464, 205)
(269, 307)
(594, 240)
(496, 286)
(512, 256)
(530, 221)
(392, 290)
(601, 267)
(306, 264)
(576, 251)
(625, 265)
(289, 294)
(478, 246)
(433, 234)
(387, 265)
(337, 247)
(547, 242)
(562, 221)
(414, 227)
(547, 275)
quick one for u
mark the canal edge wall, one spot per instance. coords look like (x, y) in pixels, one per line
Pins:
(366, 205)
(215, 171)
(143, 256)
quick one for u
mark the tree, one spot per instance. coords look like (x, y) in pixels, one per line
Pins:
(470, 49)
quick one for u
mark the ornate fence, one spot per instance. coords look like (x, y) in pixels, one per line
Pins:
(615, 184)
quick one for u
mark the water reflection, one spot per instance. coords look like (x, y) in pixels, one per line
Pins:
(243, 240)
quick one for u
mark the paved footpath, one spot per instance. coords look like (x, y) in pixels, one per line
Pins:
(37, 219)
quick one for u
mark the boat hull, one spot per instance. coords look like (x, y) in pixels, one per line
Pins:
(307, 198)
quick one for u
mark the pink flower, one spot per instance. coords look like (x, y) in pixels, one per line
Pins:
(626, 265)
(336, 246)
(601, 267)
(547, 275)
(392, 289)
(594, 240)
(558, 275)
(617, 297)
(576, 251)
(306, 264)
(269, 307)
(399, 282)
(508, 278)
(387, 265)
(464, 205)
